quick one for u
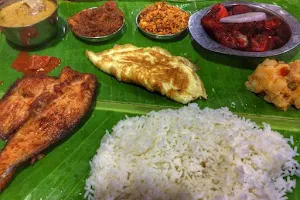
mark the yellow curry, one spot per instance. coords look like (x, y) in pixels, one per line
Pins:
(19, 14)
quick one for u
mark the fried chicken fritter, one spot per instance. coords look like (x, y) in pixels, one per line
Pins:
(56, 112)
(278, 81)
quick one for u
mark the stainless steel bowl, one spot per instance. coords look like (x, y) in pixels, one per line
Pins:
(101, 38)
(157, 36)
(44, 30)
(201, 37)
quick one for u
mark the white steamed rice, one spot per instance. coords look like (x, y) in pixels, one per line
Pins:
(192, 154)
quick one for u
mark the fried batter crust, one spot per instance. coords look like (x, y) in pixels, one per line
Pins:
(278, 81)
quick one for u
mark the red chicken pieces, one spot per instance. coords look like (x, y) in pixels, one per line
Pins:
(257, 36)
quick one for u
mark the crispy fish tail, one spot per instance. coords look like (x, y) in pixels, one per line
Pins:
(5, 177)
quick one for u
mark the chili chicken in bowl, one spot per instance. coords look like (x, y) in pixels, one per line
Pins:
(239, 27)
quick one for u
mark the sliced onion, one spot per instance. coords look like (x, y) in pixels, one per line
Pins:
(31, 3)
(245, 17)
(35, 5)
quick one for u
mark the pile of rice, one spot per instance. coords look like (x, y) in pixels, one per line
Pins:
(192, 154)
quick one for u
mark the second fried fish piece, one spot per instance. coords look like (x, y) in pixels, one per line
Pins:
(153, 68)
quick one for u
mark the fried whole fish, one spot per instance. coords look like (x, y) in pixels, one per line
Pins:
(21, 96)
(153, 68)
(54, 116)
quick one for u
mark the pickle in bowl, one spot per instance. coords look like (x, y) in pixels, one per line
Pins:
(98, 24)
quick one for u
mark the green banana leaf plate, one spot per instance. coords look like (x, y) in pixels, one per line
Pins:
(62, 172)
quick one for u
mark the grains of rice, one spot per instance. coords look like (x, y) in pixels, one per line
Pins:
(192, 154)
(292, 140)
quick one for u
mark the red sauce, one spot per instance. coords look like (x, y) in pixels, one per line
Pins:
(34, 64)
(284, 71)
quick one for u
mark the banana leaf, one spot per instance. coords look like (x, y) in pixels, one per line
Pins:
(62, 172)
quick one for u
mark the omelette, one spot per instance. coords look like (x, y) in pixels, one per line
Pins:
(153, 68)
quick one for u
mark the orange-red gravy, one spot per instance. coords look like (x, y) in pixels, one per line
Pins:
(34, 64)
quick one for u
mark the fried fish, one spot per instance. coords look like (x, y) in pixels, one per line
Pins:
(57, 112)
(153, 68)
(21, 96)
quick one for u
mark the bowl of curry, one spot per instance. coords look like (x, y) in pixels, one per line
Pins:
(28, 22)
(98, 24)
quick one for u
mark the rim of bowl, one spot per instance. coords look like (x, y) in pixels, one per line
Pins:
(100, 37)
(33, 23)
(158, 36)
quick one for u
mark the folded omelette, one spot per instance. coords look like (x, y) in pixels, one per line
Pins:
(153, 68)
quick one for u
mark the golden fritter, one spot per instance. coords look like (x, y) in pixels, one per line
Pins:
(278, 81)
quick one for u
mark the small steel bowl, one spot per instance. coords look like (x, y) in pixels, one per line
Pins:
(157, 36)
(43, 30)
(101, 38)
(201, 37)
